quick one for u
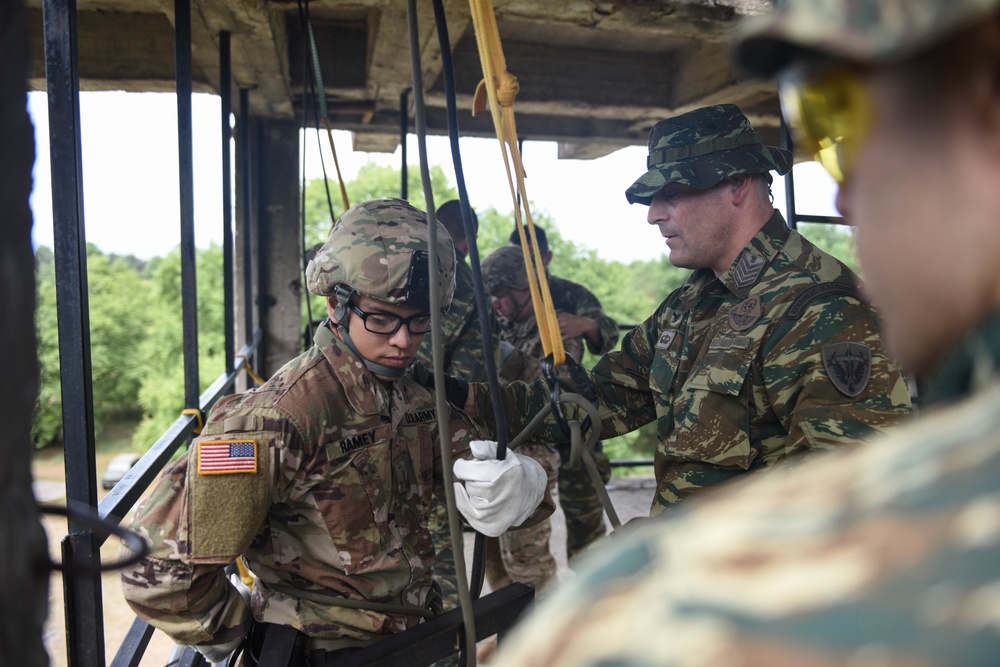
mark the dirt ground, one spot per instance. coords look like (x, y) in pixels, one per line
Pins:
(50, 488)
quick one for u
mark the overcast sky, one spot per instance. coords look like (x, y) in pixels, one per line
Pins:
(131, 183)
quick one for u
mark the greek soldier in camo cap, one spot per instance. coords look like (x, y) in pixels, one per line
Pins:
(887, 554)
(702, 147)
(320, 480)
(770, 351)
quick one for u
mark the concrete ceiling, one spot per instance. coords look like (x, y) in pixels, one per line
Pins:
(594, 76)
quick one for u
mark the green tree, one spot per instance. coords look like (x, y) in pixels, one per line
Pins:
(47, 423)
(162, 392)
(118, 312)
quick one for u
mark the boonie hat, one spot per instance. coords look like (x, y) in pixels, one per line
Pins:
(857, 30)
(702, 147)
(379, 249)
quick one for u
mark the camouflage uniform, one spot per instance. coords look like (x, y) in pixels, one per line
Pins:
(579, 500)
(778, 355)
(460, 331)
(882, 555)
(523, 556)
(324, 433)
(330, 472)
(571, 297)
(878, 555)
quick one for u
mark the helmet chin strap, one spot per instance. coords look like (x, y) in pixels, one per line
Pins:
(343, 314)
(377, 369)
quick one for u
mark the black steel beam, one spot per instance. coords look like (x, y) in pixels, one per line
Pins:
(84, 616)
(226, 99)
(185, 160)
(247, 213)
(134, 645)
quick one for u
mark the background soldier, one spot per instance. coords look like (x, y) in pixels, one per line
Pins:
(321, 479)
(580, 314)
(767, 351)
(882, 555)
(524, 556)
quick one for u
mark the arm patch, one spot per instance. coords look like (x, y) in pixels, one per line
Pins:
(803, 300)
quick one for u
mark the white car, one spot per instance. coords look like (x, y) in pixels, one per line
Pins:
(117, 468)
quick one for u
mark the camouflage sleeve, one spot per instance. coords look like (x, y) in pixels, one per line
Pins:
(583, 302)
(856, 557)
(826, 374)
(620, 379)
(463, 337)
(203, 513)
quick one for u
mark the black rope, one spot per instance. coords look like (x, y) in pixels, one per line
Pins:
(448, 75)
(92, 520)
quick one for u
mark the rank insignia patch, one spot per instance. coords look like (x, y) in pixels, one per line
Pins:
(849, 366)
(227, 456)
(666, 338)
(745, 314)
(747, 269)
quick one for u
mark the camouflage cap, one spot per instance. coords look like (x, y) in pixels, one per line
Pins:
(505, 269)
(378, 248)
(702, 147)
(857, 30)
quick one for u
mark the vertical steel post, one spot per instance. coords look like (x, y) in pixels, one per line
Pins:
(226, 97)
(404, 129)
(185, 161)
(83, 599)
(247, 202)
(786, 143)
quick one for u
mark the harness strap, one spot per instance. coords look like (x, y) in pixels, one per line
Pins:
(364, 605)
(280, 645)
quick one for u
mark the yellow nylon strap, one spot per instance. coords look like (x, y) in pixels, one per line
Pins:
(256, 378)
(199, 419)
(245, 574)
(336, 165)
(501, 88)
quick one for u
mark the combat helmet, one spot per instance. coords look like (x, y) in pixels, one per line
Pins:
(378, 249)
(504, 269)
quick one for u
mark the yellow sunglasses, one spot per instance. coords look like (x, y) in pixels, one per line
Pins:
(829, 113)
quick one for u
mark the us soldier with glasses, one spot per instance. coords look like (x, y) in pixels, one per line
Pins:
(886, 554)
(321, 479)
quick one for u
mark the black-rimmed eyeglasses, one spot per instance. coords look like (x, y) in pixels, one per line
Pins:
(388, 324)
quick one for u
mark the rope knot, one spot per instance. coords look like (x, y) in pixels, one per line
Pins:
(507, 89)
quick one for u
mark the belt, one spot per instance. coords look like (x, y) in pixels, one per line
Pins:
(324, 658)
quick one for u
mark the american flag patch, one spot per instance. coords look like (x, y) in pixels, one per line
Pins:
(227, 456)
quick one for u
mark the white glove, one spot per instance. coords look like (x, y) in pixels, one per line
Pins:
(498, 494)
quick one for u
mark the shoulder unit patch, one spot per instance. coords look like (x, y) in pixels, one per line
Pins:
(849, 366)
(745, 314)
(803, 300)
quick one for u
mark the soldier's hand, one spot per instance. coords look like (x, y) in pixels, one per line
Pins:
(574, 326)
(497, 494)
